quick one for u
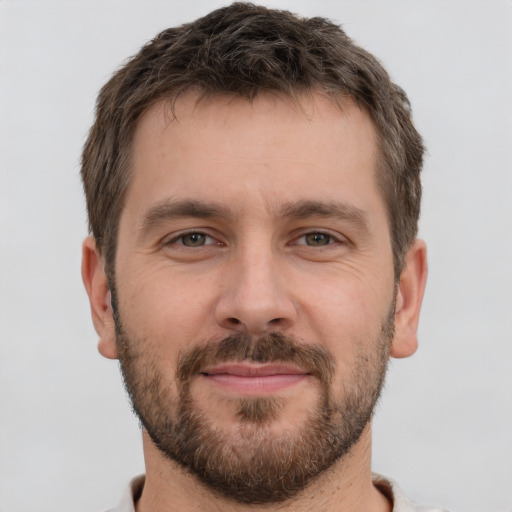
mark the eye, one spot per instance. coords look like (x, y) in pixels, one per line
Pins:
(316, 239)
(193, 239)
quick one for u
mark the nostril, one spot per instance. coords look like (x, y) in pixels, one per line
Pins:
(276, 320)
(234, 321)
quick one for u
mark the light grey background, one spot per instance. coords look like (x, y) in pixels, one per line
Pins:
(444, 426)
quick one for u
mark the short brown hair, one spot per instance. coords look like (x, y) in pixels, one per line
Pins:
(245, 50)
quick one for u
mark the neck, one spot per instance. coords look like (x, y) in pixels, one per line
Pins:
(347, 487)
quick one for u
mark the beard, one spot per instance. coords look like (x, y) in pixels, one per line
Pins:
(252, 463)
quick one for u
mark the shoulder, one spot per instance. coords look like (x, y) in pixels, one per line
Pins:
(130, 496)
(401, 503)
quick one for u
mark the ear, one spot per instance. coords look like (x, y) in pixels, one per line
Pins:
(408, 301)
(95, 282)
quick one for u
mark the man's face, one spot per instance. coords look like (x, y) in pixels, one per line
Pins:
(254, 287)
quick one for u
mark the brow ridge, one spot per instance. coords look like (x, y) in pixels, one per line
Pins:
(307, 208)
(173, 209)
(170, 209)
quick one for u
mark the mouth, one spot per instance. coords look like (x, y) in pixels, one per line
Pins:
(254, 379)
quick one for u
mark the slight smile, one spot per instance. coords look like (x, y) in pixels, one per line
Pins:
(254, 379)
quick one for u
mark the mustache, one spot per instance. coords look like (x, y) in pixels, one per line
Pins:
(271, 347)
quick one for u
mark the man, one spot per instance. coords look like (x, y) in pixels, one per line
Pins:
(252, 184)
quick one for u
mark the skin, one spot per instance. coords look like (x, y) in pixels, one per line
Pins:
(256, 272)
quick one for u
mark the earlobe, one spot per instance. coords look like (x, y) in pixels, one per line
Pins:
(408, 301)
(96, 285)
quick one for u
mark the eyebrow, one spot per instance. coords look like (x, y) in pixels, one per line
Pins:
(168, 210)
(306, 209)
(173, 209)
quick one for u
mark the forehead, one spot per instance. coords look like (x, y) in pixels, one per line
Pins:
(316, 117)
(273, 143)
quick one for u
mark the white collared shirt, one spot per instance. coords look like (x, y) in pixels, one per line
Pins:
(401, 503)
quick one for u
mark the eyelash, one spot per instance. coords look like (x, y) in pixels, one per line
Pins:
(179, 239)
(332, 238)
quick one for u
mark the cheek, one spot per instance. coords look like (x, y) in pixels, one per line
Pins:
(163, 310)
(347, 317)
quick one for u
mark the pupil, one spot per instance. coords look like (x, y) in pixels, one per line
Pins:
(194, 239)
(317, 239)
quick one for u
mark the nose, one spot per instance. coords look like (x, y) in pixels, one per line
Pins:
(255, 297)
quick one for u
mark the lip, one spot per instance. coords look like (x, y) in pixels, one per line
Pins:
(254, 379)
